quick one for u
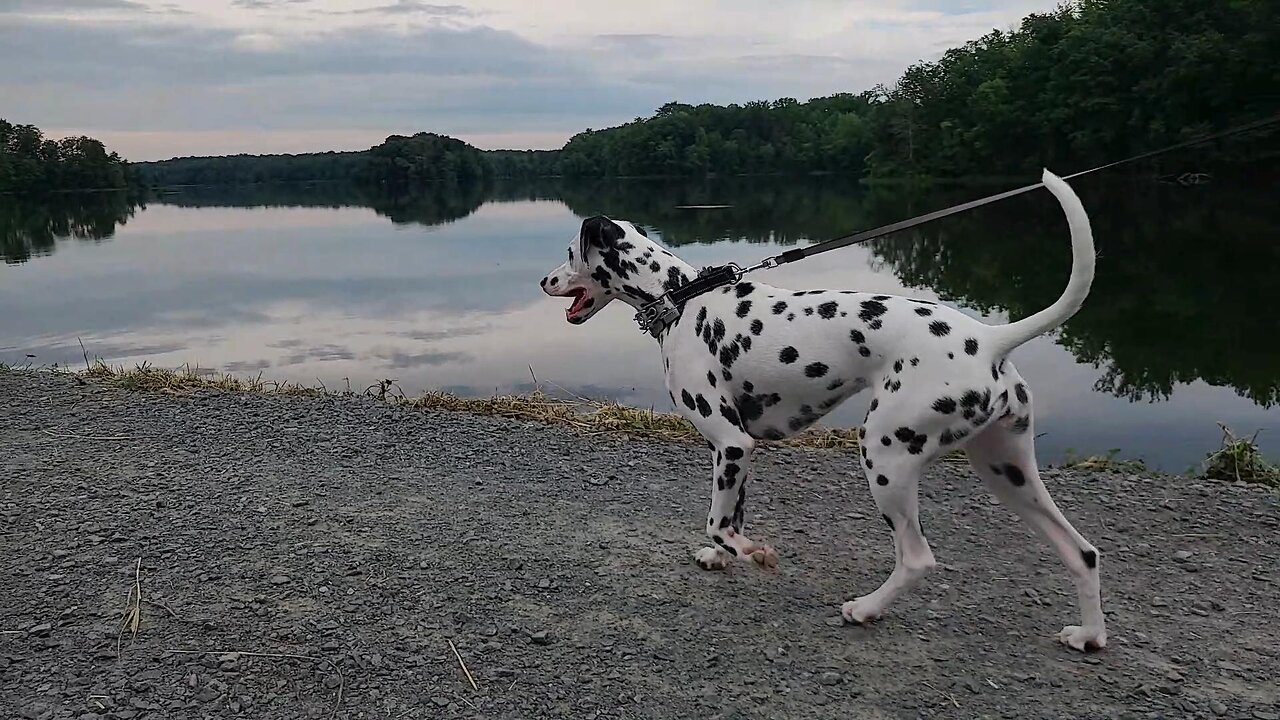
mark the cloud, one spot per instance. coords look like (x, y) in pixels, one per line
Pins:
(265, 4)
(53, 6)
(413, 7)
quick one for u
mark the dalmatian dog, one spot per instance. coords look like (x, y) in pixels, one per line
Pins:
(750, 362)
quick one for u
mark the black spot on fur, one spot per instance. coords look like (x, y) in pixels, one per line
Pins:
(882, 480)
(888, 521)
(895, 386)
(744, 289)
(945, 405)
(915, 362)
(688, 400)
(970, 398)
(897, 366)
(704, 407)
(815, 370)
(872, 309)
(749, 407)
(745, 342)
(779, 307)
(1015, 475)
(994, 374)
(717, 330)
(828, 310)
(1090, 558)
(879, 297)
(675, 278)
(864, 351)
(757, 327)
(1020, 391)
(875, 403)
(939, 328)
(951, 356)
(884, 440)
(874, 324)
(857, 336)
(791, 316)
(655, 267)
(748, 386)
(731, 415)
(996, 469)
(971, 346)
(724, 523)
(724, 373)
(601, 276)
(711, 378)
(1021, 424)
(744, 307)
(636, 292)
(923, 311)
(788, 355)
(808, 311)
(731, 475)
(734, 453)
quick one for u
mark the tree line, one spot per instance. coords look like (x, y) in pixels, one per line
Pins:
(30, 161)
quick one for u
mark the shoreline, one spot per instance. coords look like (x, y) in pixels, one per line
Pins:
(1238, 457)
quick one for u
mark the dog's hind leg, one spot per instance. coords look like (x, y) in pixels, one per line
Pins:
(1004, 457)
(893, 474)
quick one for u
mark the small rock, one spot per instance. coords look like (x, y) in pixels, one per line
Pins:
(829, 679)
(279, 579)
(836, 621)
(1159, 602)
(1182, 555)
(540, 638)
(1217, 707)
(1264, 715)
(41, 630)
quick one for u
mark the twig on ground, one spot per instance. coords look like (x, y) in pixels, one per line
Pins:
(132, 609)
(464, 666)
(342, 680)
(947, 695)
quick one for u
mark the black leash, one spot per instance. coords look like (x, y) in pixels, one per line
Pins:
(654, 317)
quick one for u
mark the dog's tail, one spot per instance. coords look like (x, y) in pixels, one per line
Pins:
(1007, 337)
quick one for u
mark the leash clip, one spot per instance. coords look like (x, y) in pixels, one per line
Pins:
(655, 316)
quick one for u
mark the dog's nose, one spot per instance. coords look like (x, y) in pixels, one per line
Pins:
(544, 282)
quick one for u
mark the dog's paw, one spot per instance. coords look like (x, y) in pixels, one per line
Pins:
(709, 558)
(765, 556)
(1083, 638)
(860, 611)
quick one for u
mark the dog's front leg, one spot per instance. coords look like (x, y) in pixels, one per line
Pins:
(731, 469)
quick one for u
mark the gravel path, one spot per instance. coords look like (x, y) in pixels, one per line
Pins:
(559, 565)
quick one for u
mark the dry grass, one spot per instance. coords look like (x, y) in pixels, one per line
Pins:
(582, 414)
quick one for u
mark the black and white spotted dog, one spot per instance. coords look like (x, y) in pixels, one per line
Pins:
(751, 361)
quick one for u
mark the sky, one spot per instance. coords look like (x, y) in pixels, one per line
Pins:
(155, 79)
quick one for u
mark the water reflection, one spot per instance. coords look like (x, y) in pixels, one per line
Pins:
(31, 228)
(436, 288)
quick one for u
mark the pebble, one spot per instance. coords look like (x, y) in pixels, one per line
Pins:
(279, 579)
(1182, 555)
(1217, 707)
(829, 678)
(540, 638)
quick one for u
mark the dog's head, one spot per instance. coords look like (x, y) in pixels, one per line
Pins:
(602, 258)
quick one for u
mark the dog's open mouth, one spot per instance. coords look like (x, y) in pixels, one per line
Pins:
(580, 302)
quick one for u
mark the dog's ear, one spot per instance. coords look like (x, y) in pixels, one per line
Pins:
(599, 231)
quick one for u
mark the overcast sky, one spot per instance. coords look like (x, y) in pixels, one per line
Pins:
(159, 78)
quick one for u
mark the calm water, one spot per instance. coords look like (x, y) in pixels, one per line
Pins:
(440, 290)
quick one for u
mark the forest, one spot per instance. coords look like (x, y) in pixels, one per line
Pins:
(1090, 82)
(30, 161)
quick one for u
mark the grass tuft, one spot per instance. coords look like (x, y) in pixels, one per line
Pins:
(1111, 462)
(1239, 459)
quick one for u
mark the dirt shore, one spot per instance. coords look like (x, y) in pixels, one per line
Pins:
(368, 541)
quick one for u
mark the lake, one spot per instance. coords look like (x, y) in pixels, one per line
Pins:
(337, 286)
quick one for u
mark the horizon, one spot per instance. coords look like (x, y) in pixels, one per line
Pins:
(157, 79)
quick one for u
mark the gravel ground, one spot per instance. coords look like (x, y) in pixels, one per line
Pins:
(367, 538)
